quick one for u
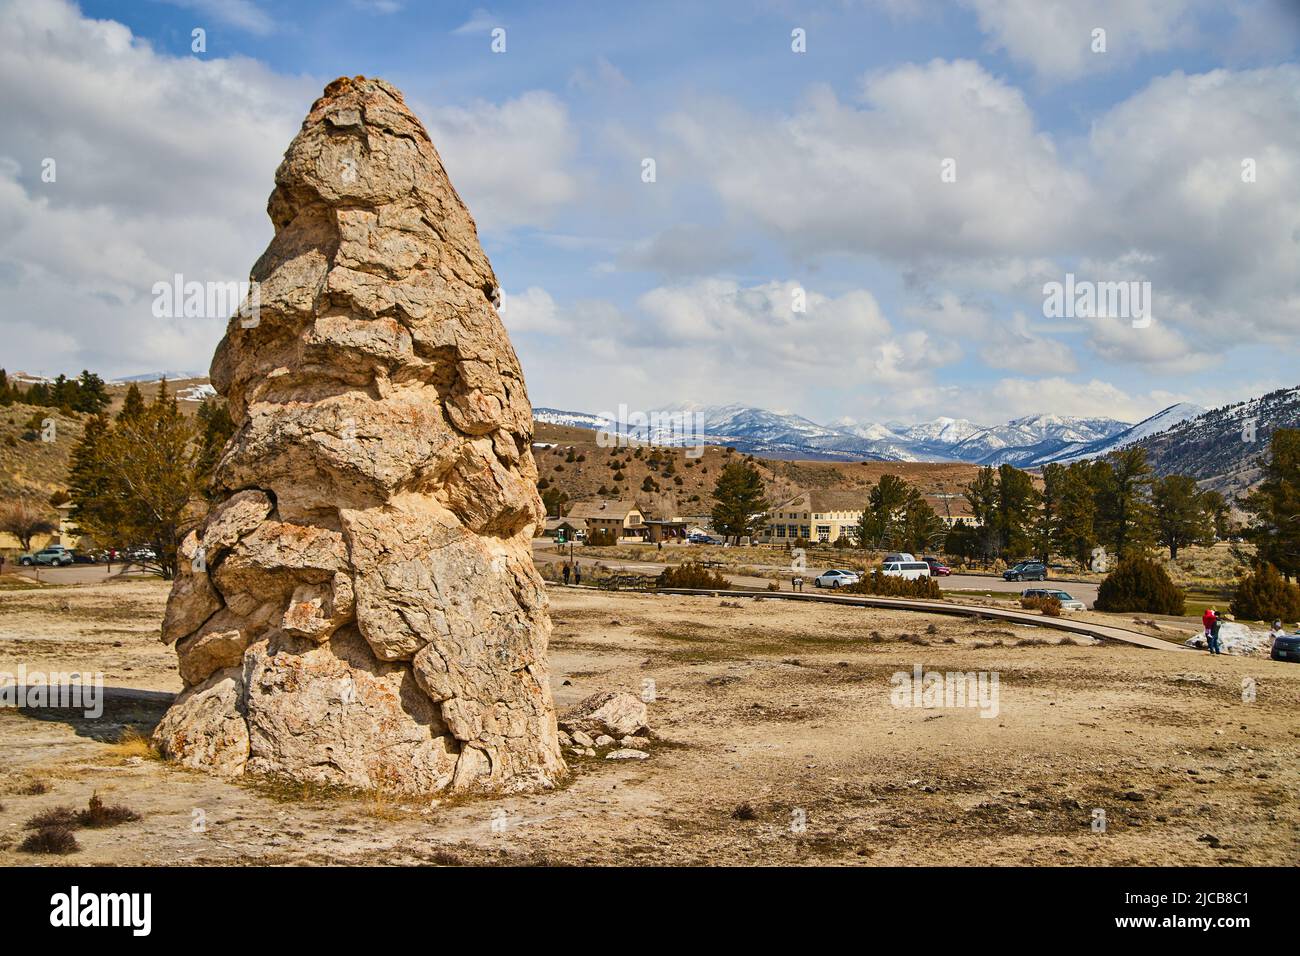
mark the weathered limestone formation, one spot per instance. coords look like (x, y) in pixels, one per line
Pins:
(361, 607)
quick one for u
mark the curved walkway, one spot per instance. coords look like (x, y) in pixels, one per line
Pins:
(1102, 632)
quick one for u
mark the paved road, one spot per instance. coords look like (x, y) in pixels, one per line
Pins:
(1010, 614)
(544, 552)
(78, 573)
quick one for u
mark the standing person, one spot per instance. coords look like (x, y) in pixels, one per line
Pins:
(566, 573)
(1207, 622)
(1277, 631)
(1215, 647)
(2, 564)
(577, 575)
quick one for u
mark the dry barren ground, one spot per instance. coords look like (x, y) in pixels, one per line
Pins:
(766, 713)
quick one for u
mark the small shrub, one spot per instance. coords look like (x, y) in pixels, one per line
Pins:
(1264, 595)
(774, 586)
(58, 817)
(1139, 584)
(1050, 605)
(878, 583)
(745, 811)
(57, 840)
(99, 814)
(692, 575)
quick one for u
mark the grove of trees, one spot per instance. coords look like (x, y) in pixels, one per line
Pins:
(141, 477)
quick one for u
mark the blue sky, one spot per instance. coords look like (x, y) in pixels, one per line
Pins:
(778, 174)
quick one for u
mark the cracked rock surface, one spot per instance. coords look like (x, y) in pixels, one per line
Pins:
(361, 606)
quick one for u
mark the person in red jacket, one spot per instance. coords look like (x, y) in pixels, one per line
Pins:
(1207, 621)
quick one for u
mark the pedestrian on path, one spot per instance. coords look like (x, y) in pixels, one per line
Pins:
(1215, 647)
(577, 575)
(566, 573)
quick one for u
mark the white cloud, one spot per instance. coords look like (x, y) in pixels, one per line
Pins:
(1054, 37)
(532, 310)
(162, 166)
(1014, 345)
(869, 177)
(511, 162)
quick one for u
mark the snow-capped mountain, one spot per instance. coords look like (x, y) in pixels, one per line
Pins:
(1034, 437)
(1161, 421)
(784, 435)
(1222, 447)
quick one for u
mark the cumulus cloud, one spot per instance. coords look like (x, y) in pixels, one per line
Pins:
(532, 310)
(1014, 345)
(869, 175)
(1156, 191)
(512, 162)
(1055, 37)
(162, 165)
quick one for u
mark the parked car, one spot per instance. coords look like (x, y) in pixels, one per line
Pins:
(893, 556)
(704, 539)
(937, 568)
(141, 554)
(1067, 600)
(55, 556)
(836, 579)
(1026, 571)
(911, 570)
(85, 557)
(1286, 647)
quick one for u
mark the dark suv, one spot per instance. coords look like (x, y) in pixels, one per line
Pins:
(1026, 571)
(1286, 647)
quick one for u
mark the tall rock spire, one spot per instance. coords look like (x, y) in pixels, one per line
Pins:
(361, 607)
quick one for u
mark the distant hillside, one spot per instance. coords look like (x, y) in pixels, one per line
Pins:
(1211, 448)
(29, 466)
(32, 468)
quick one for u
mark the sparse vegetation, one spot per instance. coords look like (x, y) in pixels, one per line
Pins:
(691, 575)
(56, 840)
(1050, 605)
(885, 586)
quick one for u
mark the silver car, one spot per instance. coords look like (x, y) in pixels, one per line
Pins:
(1067, 600)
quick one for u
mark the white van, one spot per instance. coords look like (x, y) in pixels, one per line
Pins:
(911, 570)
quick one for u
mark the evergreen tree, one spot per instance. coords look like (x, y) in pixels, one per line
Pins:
(1074, 525)
(1124, 505)
(1179, 513)
(741, 500)
(136, 481)
(1275, 505)
(1017, 504)
(132, 404)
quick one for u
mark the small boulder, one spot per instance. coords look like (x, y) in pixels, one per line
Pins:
(627, 755)
(616, 714)
(604, 740)
(634, 743)
(582, 739)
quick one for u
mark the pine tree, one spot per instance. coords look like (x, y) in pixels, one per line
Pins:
(1275, 505)
(741, 500)
(1074, 525)
(1179, 513)
(1124, 504)
(132, 404)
